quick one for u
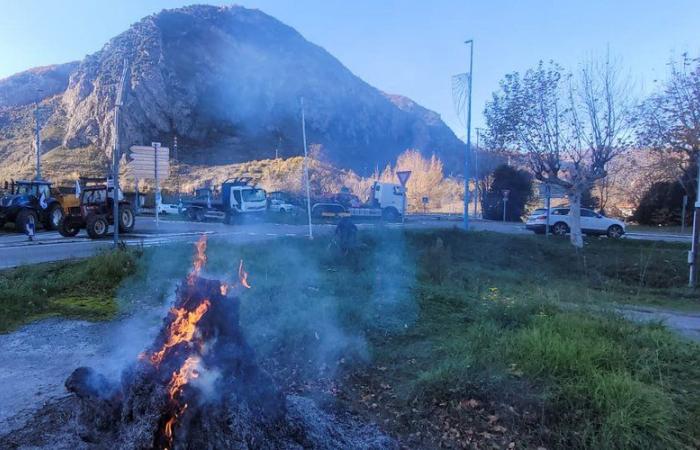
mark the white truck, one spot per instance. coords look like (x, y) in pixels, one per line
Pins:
(237, 197)
(386, 201)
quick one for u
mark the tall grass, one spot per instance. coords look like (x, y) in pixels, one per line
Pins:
(78, 289)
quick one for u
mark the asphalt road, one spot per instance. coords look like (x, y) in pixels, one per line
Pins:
(16, 250)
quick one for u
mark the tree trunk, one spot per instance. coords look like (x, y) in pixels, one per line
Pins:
(575, 218)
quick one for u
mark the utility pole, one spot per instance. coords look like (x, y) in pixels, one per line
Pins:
(37, 139)
(469, 135)
(177, 176)
(116, 154)
(476, 171)
(693, 255)
(306, 170)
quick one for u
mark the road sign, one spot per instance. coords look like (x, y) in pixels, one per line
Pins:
(555, 191)
(147, 150)
(148, 162)
(403, 177)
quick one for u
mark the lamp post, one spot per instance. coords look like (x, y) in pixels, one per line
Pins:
(476, 171)
(470, 42)
(306, 169)
(37, 136)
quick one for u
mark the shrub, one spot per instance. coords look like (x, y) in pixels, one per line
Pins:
(518, 182)
(661, 204)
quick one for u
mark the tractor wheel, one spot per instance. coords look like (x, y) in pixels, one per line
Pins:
(127, 219)
(97, 226)
(560, 229)
(66, 229)
(53, 217)
(23, 218)
(199, 215)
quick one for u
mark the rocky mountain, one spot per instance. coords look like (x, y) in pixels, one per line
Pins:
(227, 82)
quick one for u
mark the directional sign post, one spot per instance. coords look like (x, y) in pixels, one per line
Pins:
(150, 163)
(403, 179)
(506, 192)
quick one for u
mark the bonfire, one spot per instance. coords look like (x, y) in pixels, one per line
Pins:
(199, 386)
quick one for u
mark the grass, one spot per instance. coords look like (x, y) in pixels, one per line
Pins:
(77, 289)
(451, 317)
(442, 337)
(671, 229)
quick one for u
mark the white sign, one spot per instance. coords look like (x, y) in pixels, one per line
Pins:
(403, 177)
(555, 191)
(144, 160)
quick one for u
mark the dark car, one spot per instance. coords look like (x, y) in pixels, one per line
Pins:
(30, 201)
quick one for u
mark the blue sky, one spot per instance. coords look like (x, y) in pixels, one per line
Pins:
(409, 47)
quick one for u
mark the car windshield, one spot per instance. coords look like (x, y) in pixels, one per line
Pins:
(253, 195)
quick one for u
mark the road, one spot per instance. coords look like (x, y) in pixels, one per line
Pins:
(49, 246)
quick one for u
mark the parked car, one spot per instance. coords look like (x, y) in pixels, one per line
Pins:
(559, 223)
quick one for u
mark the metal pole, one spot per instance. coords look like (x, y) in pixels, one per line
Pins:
(306, 170)
(469, 137)
(476, 172)
(156, 147)
(116, 154)
(37, 141)
(693, 255)
(403, 206)
(683, 208)
(548, 191)
(177, 177)
(505, 202)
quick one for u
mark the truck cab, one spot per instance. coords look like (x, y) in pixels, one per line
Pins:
(237, 196)
(389, 198)
(240, 197)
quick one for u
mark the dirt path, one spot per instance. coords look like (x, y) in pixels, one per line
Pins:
(685, 324)
(37, 359)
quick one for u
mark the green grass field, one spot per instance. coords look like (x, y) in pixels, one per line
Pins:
(443, 338)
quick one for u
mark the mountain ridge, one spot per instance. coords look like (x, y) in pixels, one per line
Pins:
(226, 81)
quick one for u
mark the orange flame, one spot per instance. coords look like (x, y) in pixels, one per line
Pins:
(200, 258)
(187, 372)
(243, 276)
(181, 329)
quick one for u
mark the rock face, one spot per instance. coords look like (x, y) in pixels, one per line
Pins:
(226, 81)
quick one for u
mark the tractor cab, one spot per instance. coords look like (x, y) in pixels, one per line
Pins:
(30, 201)
(96, 211)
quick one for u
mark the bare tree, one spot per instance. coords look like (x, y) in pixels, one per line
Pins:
(570, 126)
(669, 121)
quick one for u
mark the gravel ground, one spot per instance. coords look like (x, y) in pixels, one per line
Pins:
(37, 358)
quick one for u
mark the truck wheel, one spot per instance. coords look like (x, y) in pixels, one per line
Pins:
(97, 226)
(199, 215)
(66, 229)
(53, 217)
(126, 219)
(25, 216)
(560, 229)
(390, 214)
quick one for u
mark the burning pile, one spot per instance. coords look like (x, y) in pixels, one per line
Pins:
(200, 387)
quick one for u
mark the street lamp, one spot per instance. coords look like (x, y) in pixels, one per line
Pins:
(469, 135)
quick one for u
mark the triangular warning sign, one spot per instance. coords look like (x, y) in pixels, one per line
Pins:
(403, 177)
